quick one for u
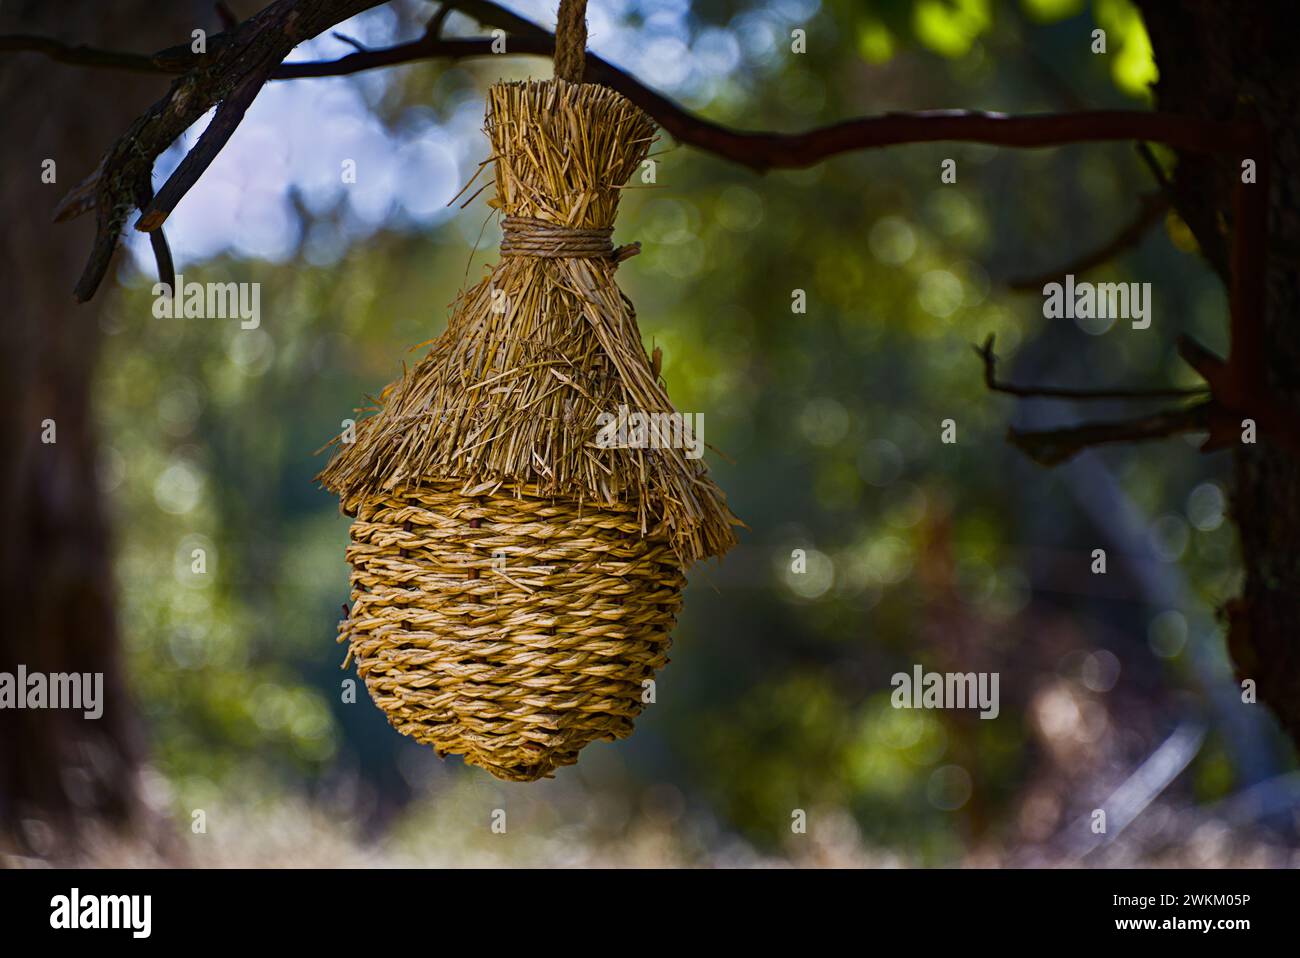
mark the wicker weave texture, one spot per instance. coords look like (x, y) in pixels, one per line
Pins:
(508, 628)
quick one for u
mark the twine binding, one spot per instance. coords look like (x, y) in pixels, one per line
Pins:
(526, 236)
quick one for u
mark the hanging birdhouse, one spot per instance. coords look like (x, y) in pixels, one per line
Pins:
(517, 565)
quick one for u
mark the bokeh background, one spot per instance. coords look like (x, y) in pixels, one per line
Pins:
(1115, 689)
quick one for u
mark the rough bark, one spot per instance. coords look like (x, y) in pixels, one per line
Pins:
(60, 772)
(1214, 58)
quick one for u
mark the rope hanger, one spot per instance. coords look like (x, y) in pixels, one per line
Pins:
(571, 40)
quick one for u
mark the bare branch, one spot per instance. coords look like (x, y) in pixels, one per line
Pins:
(763, 151)
(239, 57)
(434, 27)
(1238, 397)
(353, 42)
(228, 117)
(162, 253)
(1152, 209)
(79, 54)
(428, 47)
(985, 352)
(230, 73)
(1055, 446)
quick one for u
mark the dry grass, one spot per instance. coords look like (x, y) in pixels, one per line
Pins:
(554, 825)
(509, 396)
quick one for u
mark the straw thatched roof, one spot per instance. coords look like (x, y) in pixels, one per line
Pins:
(512, 393)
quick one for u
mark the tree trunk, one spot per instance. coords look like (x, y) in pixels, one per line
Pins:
(1212, 57)
(61, 774)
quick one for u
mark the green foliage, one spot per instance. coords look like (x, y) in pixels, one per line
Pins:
(1134, 68)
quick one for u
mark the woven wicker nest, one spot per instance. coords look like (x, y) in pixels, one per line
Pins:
(514, 582)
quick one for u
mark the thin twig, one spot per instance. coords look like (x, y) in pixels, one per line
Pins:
(985, 352)
(162, 253)
(437, 21)
(218, 133)
(80, 54)
(1151, 211)
(353, 42)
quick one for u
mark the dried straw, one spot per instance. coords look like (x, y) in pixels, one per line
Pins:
(538, 349)
(514, 584)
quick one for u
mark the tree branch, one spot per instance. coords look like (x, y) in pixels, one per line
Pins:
(985, 352)
(81, 55)
(162, 253)
(234, 69)
(242, 58)
(218, 133)
(428, 47)
(759, 151)
(1152, 209)
(434, 27)
(1054, 446)
(1222, 420)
